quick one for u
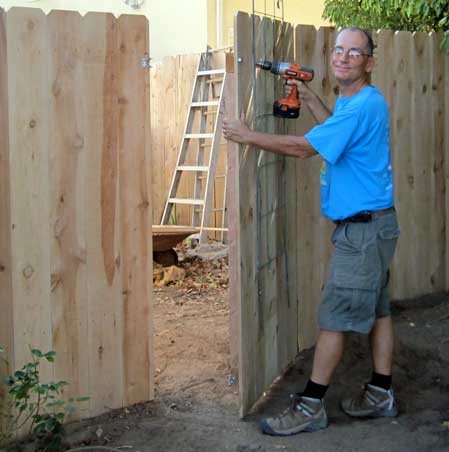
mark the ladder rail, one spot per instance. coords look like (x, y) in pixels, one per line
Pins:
(198, 183)
(182, 151)
(212, 164)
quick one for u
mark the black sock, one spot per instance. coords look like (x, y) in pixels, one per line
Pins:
(382, 381)
(314, 390)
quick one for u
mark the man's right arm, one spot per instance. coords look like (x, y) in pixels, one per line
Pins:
(316, 106)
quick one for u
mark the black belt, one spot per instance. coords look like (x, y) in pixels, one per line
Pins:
(364, 217)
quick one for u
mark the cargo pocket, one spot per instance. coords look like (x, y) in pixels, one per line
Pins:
(355, 262)
(388, 234)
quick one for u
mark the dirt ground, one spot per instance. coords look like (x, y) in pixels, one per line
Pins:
(196, 406)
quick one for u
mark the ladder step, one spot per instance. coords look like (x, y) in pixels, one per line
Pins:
(192, 168)
(198, 135)
(215, 80)
(211, 72)
(193, 202)
(211, 103)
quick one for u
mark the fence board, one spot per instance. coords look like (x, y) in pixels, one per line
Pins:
(29, 175)
(105, 325)
(6, 319)
(286, 244)
(68, 201)
(135, 210)
(313, 49)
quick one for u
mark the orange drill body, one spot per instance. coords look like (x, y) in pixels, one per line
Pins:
(289, 106)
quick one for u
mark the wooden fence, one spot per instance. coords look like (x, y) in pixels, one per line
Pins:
(75, 201)
(282, 245)
(172, 83)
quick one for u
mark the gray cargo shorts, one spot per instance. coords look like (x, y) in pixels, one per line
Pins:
(356, 291)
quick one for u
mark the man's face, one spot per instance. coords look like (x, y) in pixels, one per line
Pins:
(346, 65)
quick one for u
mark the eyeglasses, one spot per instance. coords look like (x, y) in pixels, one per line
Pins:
(353, 54)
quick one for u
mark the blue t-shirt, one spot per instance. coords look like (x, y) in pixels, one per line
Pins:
(356, 174)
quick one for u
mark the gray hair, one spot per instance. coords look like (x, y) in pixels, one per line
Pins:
(370, 43)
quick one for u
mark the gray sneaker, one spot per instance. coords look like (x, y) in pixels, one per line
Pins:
(304, 415)
(371, 402)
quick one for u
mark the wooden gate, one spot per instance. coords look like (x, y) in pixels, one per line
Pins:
(75, 201)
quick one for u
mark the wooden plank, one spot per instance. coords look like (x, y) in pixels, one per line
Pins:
(195, 202)
(28, 144)
(434, 87)
(105, 327)
(384, 78)
(198, 135)
(421, 166)
(68, 201)
(213, 160)
(211, 72)
(186, 72)
(248, 385)
(265, 223)
(402, 117)
(159, 178)
(232, 196)
(433, 94)
(313, 49)
(6, 292)
(135, 210)
(287, 301)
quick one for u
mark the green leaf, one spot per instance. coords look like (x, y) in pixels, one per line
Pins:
(37, 353)
(50, 356)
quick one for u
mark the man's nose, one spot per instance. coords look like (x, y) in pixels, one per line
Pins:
(344, 56)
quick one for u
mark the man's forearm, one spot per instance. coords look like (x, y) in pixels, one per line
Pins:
(288, 145)
(318, 108)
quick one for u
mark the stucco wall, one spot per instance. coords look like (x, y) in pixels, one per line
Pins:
(176, 26)
(295, 11)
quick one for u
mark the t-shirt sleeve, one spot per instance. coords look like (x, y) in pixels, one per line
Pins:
(334, 135)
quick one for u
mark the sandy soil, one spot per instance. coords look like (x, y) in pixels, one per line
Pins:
(196, 407)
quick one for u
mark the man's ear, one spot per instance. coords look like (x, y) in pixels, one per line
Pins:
(370, 64)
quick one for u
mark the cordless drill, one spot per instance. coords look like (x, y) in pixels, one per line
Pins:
(287, 107)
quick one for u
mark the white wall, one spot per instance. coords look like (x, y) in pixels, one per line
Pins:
(176, 26)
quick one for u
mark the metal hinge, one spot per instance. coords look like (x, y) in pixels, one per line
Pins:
(145, 61)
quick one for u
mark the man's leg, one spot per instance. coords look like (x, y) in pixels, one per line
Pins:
(382, 343)
(328, 353)
(377, 398)
(308, 413)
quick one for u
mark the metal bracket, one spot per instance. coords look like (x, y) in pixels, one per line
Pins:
(145, 61)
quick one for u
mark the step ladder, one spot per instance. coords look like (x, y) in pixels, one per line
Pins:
(207, 99)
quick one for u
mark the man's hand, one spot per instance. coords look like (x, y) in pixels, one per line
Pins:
(236, 130)
(305, 93)
(314, 103)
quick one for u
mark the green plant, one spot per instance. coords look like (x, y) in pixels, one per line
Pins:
(409, 15)
(29, 401)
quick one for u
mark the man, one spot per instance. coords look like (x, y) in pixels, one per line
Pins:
(357, 194)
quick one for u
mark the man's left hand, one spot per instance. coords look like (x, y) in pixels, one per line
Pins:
(236, 130)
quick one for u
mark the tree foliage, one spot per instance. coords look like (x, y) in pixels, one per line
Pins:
(408, 15)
